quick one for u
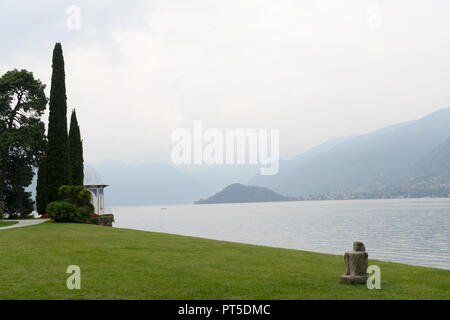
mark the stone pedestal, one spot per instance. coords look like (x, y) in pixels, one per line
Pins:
(356, 263)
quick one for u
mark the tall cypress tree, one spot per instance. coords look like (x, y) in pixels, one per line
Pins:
(75, 152)
(58, 153)
(41, 187)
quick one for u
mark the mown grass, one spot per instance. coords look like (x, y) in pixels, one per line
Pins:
(7, 223)
(128, 264)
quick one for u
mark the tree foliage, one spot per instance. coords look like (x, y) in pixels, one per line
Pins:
(18, 202)
(76, 152)
(77, 195)
(58, 153)
(22, 137)
(41, 187)
(76, 206)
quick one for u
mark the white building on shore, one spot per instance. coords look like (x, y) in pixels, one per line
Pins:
(98, 197)
(93, 182)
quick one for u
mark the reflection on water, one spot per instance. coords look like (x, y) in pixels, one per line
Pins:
(413, 231)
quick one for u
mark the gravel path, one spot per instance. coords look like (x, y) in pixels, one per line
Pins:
(24, 223)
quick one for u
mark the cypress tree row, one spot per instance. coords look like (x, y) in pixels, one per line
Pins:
(58, 153)
(41, 187)
(76, 152)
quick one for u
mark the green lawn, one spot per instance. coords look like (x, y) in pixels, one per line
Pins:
(127, 264)
(7, 223)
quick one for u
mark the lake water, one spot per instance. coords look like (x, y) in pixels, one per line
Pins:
(412, 231)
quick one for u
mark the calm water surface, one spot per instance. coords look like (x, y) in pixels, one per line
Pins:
(412, 231)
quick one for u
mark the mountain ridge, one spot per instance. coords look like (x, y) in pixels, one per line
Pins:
(239, 193)
(387, 156)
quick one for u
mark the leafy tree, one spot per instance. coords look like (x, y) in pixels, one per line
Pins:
(17, 202)
(76, 152)
(22, 133)
(41, 187)
(58, 153)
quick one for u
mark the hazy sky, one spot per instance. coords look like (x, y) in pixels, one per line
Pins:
(315, 69)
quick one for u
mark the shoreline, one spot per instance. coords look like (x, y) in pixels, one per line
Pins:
(165, 206)
(391, 229)
(281, 248)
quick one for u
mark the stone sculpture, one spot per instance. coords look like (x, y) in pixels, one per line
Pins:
(356, 262)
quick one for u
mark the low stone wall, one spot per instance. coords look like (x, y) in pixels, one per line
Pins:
(103, 220)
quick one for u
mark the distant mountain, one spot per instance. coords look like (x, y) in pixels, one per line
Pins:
(239, 193)
(146, 183)
(436, 164)
(430, 177)
(317, 150)
(159, 183)
(217, 177)
(410, 159)
(386, 157)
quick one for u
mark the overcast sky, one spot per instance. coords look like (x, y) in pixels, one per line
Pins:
(315, 69)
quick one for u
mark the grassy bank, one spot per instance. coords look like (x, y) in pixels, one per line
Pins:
(7, 223)
(127, 264)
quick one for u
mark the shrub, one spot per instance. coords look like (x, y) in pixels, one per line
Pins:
(85, 212)
(84, 198)
(77, 195)
(76, 206)
(62, 211)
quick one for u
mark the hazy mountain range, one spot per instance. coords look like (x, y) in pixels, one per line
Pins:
(155, 183)
(392, 156)
(407, 159)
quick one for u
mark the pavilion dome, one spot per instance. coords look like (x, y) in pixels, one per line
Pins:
(92, 176)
